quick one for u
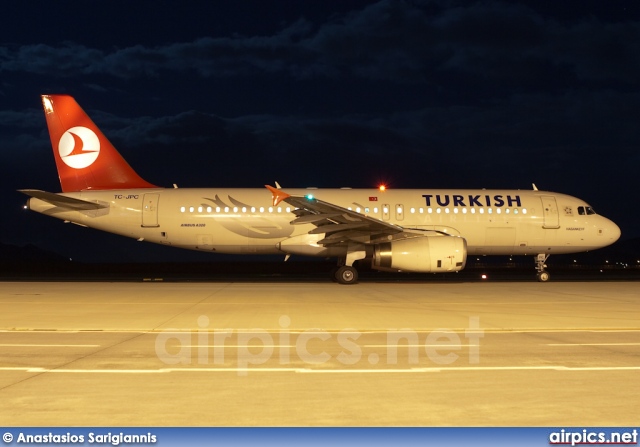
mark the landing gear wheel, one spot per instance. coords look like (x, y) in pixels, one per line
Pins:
(346, 275)
(543, 276)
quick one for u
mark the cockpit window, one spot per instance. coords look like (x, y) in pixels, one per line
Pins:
(582, 210)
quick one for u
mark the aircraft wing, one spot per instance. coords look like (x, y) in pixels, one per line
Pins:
(63, 201)
(338, 224)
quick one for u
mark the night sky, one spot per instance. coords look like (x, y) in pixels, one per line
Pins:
(417, 94)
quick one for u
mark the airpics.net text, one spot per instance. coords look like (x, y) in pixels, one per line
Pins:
(244, 349)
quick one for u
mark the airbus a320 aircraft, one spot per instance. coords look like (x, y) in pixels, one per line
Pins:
(397, 230)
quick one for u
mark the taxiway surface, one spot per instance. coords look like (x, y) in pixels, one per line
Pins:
(220, 354)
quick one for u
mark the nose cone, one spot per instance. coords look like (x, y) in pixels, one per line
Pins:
(615, 232)
(612, 232)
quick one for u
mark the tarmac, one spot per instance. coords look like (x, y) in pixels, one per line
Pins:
(319, 354)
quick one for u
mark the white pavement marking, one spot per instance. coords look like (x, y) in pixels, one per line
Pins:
(233, 346)
(442, 345)
(29, 345)
(593, 344)
(324, 371)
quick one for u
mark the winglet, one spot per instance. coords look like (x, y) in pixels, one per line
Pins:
(278, 194)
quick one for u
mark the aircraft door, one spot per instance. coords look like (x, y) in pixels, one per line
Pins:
(150, 210)
(550, 212)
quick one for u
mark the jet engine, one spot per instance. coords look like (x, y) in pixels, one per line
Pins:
(421, 254)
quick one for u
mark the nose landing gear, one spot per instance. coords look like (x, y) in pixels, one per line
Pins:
(543, 275)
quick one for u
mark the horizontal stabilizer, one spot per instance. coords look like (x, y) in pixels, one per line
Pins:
(62, 201)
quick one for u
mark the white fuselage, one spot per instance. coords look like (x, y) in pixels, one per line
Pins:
(493, 222)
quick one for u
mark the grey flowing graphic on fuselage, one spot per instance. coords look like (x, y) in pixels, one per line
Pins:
(249, 224)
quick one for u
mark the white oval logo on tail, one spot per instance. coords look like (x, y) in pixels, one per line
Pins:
(79, 147)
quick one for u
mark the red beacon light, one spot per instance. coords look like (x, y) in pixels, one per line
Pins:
(382, 188)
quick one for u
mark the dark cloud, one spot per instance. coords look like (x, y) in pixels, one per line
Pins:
(27, 119)
(22, 134)
(69, 59)
(389, 40)
(205, 56)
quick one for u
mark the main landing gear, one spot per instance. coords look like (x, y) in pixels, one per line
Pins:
(543, 275)
(345, 272)
(346, 275)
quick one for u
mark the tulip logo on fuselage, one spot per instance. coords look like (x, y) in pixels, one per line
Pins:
(79, 147)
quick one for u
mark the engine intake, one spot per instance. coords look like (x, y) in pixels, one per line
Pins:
(421, 254)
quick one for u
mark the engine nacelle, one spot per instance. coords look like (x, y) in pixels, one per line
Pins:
(422, 254)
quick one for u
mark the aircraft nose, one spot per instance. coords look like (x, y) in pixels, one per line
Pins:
(616, 232)
(612, 231)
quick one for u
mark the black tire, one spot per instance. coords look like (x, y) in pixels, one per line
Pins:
(346, 275)
(543, 276)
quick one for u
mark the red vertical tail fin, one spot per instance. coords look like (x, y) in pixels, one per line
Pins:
(85, 158)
